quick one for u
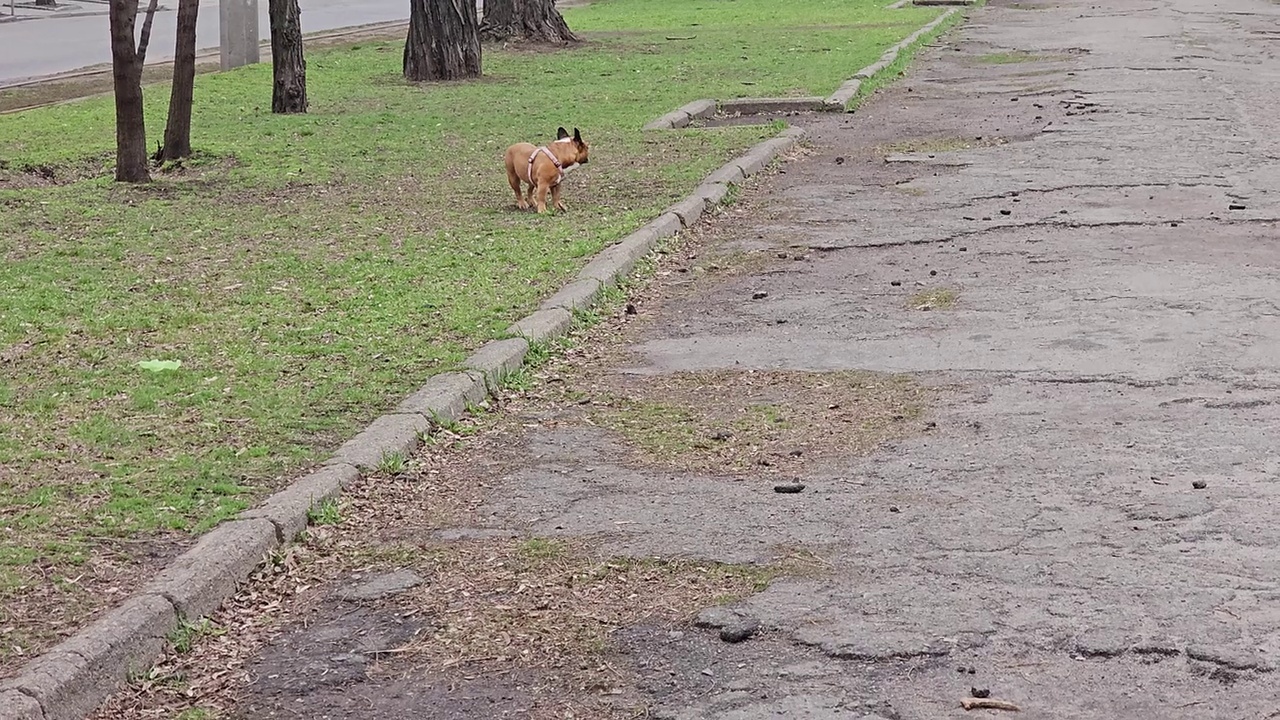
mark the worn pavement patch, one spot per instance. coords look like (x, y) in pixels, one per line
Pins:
(1085, 530)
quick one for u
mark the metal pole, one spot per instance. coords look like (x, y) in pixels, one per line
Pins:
(238, 21)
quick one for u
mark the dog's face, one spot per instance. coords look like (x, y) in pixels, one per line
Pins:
(579, 145)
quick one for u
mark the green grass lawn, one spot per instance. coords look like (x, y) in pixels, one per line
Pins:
(309, 271)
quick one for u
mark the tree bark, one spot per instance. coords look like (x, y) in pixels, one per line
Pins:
(533, 20)
(177, 132)
(443, 42)
(126, 73)
(288, 66)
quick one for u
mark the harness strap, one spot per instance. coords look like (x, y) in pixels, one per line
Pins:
(554, 161)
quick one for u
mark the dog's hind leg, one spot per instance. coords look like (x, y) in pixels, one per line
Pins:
(514, 181)
(541, 202)
(555, 198)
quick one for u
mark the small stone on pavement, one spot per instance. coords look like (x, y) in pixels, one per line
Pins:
(741, 630)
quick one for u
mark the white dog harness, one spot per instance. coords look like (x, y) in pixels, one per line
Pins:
(554, 160)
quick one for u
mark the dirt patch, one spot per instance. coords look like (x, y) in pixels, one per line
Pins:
(533, 616)
(790, 117)
(760, 421)
(14, 176)
(188, 172)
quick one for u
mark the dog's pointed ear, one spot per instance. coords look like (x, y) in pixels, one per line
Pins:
(562, 134)
(576, 137)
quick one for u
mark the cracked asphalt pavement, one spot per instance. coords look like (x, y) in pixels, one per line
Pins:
(1064, 220)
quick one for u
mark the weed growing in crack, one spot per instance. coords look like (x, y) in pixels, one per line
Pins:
(392, 463)
(187, 634)
(326, 512)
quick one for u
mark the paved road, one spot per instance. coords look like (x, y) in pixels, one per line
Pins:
(1105, 210)
(34, 48)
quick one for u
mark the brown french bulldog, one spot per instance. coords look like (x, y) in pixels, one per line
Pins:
(543, 168)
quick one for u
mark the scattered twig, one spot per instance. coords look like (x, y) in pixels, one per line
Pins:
(988, 704)
(681, 37)
(465, 660)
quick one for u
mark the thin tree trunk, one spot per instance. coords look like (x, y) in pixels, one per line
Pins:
(533, 20)
(126, 72)
(443, 42)
(288, 66)
(177, 132)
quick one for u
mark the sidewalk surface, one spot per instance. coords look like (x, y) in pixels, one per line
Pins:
(1013, 325)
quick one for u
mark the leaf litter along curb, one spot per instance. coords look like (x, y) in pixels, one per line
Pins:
(304, 276)
(499, 603)
(438, 491)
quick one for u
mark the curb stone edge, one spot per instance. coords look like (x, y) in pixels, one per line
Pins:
(75, 676)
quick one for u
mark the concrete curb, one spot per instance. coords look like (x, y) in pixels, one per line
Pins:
(761, 106)
(840, 99)
(682, 116)
(70, 680)
(837, 101)
(389, 435)
(67, 682)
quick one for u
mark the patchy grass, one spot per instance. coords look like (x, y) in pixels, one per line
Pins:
(392, 463)
(541, 549)
(186, 635)
(325, 513)
(928, 145)
(934, 299)
(1007, 58)
(310, 270)
(763, 421)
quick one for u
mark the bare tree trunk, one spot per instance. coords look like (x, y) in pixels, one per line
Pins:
(443, 42)
(288, 66)
(177, 132)
(126, 71)
(535, 20)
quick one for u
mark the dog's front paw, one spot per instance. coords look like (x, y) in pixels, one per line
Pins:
(522, 205)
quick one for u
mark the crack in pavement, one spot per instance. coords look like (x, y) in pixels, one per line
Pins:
(1080, 508)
